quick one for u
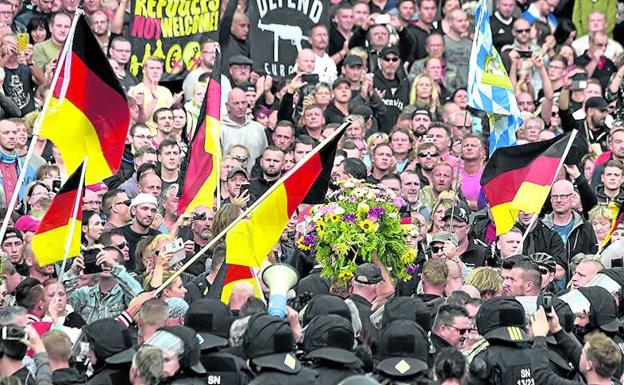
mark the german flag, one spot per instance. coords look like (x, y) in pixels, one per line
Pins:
(230, 276)
(519, 178)
(49, 241)
(88, 114)
(252, 239)
(202, 159)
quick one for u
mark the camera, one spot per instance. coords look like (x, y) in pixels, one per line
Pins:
(56, 185)
(90, 259)
(547, 304)
(13, 333)
(177, 248)
(199, 216)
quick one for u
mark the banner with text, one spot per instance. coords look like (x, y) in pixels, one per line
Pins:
(278, 31)
(171, 30)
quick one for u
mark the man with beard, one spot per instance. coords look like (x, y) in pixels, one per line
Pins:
(421, 119)
(593, 124)
(382, 163)
(143, 209)
(472, 252)
(473, 154)
(391, 84)
(206, 65)
(202, 218)
(410, 191)
(271, 165)
(428, 157)
(36, 271)
(442, 178)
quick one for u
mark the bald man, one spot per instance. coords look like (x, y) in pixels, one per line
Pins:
(576, 233)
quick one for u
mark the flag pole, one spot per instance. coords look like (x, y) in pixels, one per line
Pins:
(254, 205)
(217, 160)
(565, 154)
(37, 127)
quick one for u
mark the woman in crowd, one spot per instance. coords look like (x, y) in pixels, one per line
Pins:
(92, 227)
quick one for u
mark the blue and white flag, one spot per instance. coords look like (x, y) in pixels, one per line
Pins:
(489, 87)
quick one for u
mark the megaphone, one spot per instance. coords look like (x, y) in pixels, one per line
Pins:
(279, 278)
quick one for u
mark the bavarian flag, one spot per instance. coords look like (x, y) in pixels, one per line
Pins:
(88, 114)
(51, 237)
(519, 178)
(201, 162)
(252, 239)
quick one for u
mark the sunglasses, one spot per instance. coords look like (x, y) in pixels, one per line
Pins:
(391, 59)
(460, 331)
(428, 154)
(523, 30)
(121, 245)
(436, 249)
(127, 202)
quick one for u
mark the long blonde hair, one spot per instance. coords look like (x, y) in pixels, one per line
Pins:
(434, 98)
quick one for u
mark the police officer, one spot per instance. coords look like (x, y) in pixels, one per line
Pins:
(270, 346)
(328, 343)
(212, 319)
(402, 354)
(507, 359)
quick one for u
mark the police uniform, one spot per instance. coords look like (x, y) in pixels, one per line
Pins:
(507, 359)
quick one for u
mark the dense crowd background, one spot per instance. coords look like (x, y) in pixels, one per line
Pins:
(479, 308)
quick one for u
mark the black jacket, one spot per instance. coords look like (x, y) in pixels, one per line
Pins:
(543, 239)
(581, 239)
(68, 376)
(395, 97)
(111, 375)
(331, 373)
(271, 377)
(569, 123)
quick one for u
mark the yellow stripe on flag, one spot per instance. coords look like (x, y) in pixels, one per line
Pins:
(527, 199)
(74, 144)
(49, 247)
(250, 241)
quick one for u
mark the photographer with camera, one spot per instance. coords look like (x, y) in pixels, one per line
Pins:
(113, 291)
(195, 229)
(15, 342)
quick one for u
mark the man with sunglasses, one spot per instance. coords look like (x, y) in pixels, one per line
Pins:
(450, 328)
(392, 85)
(472, 252)
(115, 238)
(428, 157)
(116, 207)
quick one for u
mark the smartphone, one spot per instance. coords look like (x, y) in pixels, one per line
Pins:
(525, 54)
(90, 257)
(56, 185)
(177, 248)
(244, 187)
(579, 81)
(311, 79)
(22, 41)
(13, 333)
(383, 19)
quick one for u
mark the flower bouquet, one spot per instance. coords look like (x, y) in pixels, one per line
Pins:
(360, 224)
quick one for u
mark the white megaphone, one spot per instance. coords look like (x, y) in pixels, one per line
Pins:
(279, 278)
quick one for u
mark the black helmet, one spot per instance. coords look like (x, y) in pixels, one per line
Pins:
(502, 318)
(545, 260)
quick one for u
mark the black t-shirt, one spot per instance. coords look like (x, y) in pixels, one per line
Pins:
(18, 86)
(133, 238)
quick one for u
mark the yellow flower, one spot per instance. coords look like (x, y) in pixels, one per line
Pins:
(409, 256)
(368, 226)
(334, 218)
(362, 208)
(346, 275)
(301, 245)
(320, 228)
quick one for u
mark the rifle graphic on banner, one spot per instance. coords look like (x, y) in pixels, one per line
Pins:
(284, 32)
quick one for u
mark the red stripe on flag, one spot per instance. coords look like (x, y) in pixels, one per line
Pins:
(237, 273)
(300, 182)
(214, 99)
(199, 169)
(102, 105)
(60, 212)
(503, 188)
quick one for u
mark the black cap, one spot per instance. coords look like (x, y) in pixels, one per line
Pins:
(23, 289)
(461, 212)
(596, 102)
(502, 318)
(403, 349)
(368, 274)
(420, 110)
(211, 319)
(110, 341)
(340, 81)
(237, 170)
(603, 309)
(269, 343)
(363, 110)
(406, 308)
(12, 232)
(387, 50)
(241, 60)
(325, 304)
(247, 86)
(353, 60)
(330, 337)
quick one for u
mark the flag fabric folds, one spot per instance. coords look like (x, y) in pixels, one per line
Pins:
(489, 87)
(252, 239)
(88, 114)
(519, 179)
(48, 243)
(234, 274)
(202, 160)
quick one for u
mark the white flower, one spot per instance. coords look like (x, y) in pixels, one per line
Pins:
(339, 210)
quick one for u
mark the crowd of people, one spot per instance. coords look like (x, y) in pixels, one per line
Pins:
(540, 304)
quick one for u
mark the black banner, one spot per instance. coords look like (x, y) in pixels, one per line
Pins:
(278, 31)
(171, 30)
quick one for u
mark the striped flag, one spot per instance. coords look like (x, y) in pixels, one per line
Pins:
(519, 178)
(489, 87)
(48, 243)
(252, 239)
(234, 274)
(88, 114)
(202, 160)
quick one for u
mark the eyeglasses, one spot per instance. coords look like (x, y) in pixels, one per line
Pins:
(436, 249)
(459, 330)
(428, 154)
(523, 30)
(121, 245)
(127, 202)
(554, 114)
(561, 196)
(391, 59)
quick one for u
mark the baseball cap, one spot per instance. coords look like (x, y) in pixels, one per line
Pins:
(442, 237)
(387, 50)
(241, 60)
(368, 274)
(596, 102)
(237, 170)
(340, 81)
(420, 110)
(353, 60)
(144, 198)
(460, 212)
(12, 232)
(330, 337)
